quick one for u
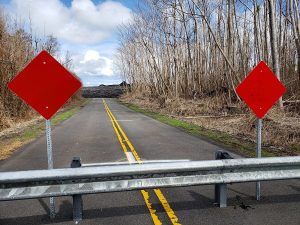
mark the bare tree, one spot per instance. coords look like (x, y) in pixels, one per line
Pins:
(200, 48)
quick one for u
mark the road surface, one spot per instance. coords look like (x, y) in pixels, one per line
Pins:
(90, 134)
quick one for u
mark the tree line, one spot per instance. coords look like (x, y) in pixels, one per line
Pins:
(197, 48)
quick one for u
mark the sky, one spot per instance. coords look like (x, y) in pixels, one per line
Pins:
(85, 28)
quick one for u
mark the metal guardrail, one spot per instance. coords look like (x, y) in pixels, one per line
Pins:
(111, 178)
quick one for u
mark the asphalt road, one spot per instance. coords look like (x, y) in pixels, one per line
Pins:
(90, 135)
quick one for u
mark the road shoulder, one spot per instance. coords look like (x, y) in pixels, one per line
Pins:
(26, 133)
(226, 141)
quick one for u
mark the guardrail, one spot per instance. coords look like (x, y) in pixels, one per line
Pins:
(112, 178)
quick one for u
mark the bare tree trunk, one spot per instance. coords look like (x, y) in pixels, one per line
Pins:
(274, 45)
(294, 15)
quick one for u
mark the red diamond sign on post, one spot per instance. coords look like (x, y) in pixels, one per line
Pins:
(260, 89)
(45, 84)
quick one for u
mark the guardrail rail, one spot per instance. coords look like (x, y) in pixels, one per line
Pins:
(114, 177)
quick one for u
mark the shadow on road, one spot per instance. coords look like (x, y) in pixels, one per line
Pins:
(64, 213)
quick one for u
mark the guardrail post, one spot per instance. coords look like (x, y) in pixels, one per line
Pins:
(77, 199)
(221, 195)
(221, 189)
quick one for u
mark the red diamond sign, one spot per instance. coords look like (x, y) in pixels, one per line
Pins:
(260, 89)
(45, 84)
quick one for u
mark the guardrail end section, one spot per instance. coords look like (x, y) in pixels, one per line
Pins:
(76, 162)
(222, 155)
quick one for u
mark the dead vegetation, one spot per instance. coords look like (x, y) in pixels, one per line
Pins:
(185, 59)
(197, 49)
(281, 130)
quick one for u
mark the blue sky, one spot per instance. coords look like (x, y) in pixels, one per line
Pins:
(85, 28)
(128, 3)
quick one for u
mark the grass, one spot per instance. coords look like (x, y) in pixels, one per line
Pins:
(243, 147)
(11, 144)
(296, 148)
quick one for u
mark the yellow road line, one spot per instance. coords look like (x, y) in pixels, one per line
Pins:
(152, 211)
(167, 207)
(144, 193)
(171, 214)
(118, 135)
(136, 156)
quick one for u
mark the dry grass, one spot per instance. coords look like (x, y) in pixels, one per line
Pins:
(18, 127)
(8, 147)
(281, 130)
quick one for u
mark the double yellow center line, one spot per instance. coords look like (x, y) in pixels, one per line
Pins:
(123, 139)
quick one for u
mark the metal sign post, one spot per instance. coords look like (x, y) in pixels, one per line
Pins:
(50, 163)
(258, 152)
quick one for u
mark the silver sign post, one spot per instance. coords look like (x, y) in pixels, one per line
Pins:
(258, 152)
(50, 162)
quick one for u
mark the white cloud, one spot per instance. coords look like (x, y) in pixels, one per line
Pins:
(84, 22)
(90, 55)
(86, 29)
(91, 63)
